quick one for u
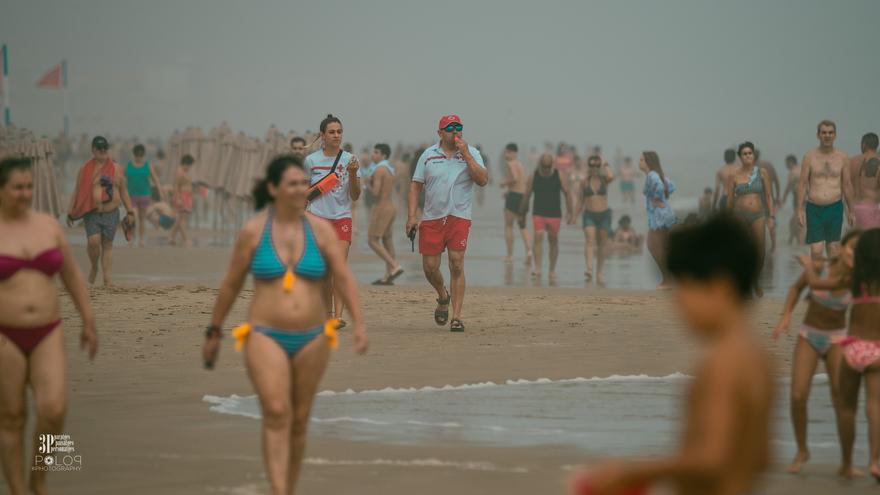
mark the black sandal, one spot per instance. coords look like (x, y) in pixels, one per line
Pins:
(456, 326)
(441, 316)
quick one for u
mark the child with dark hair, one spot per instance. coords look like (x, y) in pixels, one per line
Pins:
(727, 414)
(822, 330)
(625, 241)
(861, 349)
(183, 200)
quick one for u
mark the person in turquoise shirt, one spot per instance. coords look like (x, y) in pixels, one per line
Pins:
(140, 174)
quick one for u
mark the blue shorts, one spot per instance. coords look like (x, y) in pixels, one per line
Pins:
(601, 220)
(627, 186)
(824, 223)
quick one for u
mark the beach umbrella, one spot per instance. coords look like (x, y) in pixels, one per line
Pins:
(22, 143)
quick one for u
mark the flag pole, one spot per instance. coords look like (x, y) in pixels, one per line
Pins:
(64, 97)
(7, 113)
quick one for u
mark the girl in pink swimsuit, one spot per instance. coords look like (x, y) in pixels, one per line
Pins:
(821, 332)
(861, 355)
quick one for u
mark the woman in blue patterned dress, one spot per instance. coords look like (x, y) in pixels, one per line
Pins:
(661, 218)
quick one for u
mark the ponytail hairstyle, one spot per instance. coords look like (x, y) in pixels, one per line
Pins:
(274, 172)
(866, 272)
(653, 162)
(329, 119)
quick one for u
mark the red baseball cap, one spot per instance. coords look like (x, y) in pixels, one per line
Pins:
(449, 119)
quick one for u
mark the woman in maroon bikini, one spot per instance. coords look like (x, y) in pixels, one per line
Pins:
(33, 250)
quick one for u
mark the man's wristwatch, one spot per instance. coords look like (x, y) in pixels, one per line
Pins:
(213, 330)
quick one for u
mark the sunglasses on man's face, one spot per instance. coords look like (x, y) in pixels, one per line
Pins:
(453, 128)
(101, 149)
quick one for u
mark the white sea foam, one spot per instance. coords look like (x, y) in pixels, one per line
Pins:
(348, 419)
(479, 385)
(429, 463)
(230, 405)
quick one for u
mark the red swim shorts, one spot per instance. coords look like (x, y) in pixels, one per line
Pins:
(443, 233)
(343, 228)
(550, 224)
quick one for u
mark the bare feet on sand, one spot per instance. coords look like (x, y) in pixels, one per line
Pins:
(797, 464)
(849, 472)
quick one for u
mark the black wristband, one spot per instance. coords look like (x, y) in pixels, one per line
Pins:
(213, 330)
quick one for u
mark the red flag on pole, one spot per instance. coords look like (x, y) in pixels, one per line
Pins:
(52, 79)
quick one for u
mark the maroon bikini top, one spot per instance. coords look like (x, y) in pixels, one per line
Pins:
(48, 262)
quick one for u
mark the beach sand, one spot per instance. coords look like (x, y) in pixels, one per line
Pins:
(138, 418)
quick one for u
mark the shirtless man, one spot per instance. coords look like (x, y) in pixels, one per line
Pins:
(107, 189)
(774, 193)
(719, 201)
(866, 184)
(795, 231)
(824, 187)
(381, 185)
(515, 183)
(627, 173)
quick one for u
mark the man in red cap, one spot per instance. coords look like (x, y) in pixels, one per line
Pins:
(447, 171)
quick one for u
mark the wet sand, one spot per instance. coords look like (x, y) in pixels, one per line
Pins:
(138, 418)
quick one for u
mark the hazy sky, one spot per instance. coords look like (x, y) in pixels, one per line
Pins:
(686, 78)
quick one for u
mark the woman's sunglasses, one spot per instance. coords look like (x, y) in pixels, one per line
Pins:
(453, 128)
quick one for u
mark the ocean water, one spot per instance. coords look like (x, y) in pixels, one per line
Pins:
(618, 415)
(484, 266)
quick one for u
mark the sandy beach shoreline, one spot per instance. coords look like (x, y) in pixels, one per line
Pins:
(138, 417)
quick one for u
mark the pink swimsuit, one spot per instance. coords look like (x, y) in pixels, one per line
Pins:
(49, 262)
(861, 353)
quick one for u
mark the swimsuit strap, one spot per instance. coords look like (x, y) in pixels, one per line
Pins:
(311, 264)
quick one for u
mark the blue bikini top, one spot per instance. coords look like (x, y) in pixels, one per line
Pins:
(754, 186)
(267, 265)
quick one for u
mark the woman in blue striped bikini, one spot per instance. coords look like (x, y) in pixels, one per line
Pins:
(287, 338)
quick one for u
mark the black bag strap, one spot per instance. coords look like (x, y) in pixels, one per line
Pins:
(336, 162)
